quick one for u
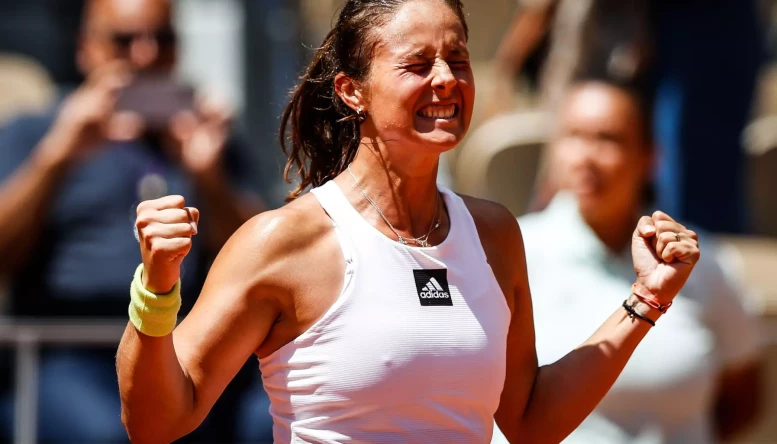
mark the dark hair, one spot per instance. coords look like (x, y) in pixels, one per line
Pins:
(642, 97)
(638, 91)
(324, 131)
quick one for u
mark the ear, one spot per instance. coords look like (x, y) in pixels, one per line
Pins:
(349, 92)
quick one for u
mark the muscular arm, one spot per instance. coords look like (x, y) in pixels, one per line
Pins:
(563, 394)
(545, 404)
(169, 384)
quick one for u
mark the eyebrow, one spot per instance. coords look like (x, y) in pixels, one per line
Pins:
(422, 53)
(460, 50)
(414, 54)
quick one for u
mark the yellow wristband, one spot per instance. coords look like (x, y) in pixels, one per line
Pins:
(153, 314)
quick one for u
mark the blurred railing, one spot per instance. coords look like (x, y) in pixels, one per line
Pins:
(26, 338)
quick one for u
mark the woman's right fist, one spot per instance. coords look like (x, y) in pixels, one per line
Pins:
(165, 228)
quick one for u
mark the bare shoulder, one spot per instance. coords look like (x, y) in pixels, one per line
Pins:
(270, 242)
(494, 222)
(287, 262)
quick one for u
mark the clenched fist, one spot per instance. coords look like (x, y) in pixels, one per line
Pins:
(165, 228)
(664, 253)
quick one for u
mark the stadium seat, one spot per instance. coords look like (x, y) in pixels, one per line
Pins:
(25, 86)
(499, 160)
(760, 141)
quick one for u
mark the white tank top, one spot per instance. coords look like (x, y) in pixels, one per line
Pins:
(412, 351)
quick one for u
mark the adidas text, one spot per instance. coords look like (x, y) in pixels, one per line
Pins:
(434, 294)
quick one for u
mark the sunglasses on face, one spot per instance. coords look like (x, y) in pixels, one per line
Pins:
(164, 38)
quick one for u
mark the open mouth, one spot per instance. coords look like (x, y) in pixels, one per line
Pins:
(439, 112)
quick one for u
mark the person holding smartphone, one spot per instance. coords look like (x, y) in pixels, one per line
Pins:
(69, 182)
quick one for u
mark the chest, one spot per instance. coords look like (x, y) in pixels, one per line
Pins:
(434, 328)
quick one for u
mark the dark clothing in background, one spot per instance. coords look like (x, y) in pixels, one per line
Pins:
(708, 57)
(82, 265)
(45, 30)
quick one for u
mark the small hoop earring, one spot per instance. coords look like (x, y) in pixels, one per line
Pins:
(360, 117)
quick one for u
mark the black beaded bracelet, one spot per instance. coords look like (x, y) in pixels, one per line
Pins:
(633, 313)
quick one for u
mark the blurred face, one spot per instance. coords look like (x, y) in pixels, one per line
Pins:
(135, 31)
(420, 91)
(601, 150)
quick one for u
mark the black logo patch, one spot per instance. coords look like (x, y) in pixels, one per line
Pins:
(432, 286)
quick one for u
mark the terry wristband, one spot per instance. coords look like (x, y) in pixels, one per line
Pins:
(153, 314)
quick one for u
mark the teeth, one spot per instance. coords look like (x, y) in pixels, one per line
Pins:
(438, 112)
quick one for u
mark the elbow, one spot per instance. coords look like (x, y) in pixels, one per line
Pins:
(141, 432)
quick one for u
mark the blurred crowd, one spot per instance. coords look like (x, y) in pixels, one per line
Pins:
(627, 106)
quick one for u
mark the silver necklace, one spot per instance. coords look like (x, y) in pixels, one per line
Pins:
(422, 241)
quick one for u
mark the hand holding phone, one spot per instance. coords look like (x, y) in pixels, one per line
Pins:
(156, 99)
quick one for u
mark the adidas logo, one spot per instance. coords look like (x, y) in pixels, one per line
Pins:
(434, 290)
(432, 286)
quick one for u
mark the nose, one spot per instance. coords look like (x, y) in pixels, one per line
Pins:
(144, 53)
(443, 80)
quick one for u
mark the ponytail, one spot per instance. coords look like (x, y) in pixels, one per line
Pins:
(324, 131)
(319, 133)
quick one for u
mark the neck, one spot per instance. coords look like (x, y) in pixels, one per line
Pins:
(614, 230)
(405, 190)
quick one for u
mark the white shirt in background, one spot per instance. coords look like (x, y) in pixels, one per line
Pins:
(667, 389)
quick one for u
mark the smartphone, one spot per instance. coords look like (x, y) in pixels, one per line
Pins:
(156, 98)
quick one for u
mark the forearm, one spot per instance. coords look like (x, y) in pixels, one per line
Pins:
(225, 208)
(528, 29)
(566, 392)
(157, 397)
(24, 199)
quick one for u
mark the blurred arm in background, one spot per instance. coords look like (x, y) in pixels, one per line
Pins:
(31, 166)
(530, 25)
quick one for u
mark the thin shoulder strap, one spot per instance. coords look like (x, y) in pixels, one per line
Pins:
(334, 202)
(462, 219)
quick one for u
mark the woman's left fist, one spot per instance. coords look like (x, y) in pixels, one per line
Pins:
(664, 253)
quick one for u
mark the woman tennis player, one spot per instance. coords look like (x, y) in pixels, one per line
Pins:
(382, 308)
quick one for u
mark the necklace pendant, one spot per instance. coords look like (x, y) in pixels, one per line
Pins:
(402, 240)
(424, 243)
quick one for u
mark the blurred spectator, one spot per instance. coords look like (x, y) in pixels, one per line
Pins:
(607, 37)
(701, 58)
(583, 35)
(69, 182)
(696, 377)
